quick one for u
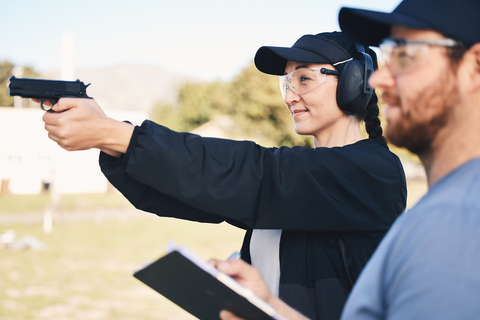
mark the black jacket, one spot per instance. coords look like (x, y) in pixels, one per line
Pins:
(333, 204)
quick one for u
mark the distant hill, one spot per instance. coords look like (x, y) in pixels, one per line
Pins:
(129, 87)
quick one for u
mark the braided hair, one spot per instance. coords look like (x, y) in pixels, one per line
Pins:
(371, 112)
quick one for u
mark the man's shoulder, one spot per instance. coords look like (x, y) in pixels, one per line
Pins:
(445, 220)
(457, 192)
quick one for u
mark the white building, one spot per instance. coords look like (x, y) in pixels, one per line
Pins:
(28, 159)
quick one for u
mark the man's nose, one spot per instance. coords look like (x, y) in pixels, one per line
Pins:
(381, 78)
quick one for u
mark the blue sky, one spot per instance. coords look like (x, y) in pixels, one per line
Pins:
(210, 39)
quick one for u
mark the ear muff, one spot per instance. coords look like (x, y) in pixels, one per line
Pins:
(353, 90)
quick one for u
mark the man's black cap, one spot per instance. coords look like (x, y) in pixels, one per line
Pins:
(456, 19)
(309, 49)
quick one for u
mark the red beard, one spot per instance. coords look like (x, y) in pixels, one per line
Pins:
(428, 112)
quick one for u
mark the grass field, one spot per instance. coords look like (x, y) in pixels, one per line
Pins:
(86, 272)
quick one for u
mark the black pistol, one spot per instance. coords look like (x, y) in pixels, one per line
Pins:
(43, 90)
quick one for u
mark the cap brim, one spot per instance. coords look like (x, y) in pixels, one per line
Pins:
(273, 60)
(371, 27)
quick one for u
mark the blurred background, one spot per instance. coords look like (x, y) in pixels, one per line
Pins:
(69, 242)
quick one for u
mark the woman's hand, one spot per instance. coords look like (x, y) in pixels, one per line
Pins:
(244, 274)
(250, 278)
(227, 315)
(80, 124)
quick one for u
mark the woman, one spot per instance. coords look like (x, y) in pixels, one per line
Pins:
(313, 217)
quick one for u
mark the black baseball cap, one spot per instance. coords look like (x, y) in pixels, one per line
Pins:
(456, 19)
(309, 49)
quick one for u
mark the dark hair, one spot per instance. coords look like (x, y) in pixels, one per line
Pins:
(371, 112)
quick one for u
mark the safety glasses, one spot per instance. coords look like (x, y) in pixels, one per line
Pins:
(401, 55)
(304, 80)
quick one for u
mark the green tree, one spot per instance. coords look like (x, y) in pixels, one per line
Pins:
(197, 104)
(5, 73)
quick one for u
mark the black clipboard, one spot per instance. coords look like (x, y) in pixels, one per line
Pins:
(202, 290)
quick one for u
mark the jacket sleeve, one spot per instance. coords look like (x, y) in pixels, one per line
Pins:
(148, 199)
(325, 189)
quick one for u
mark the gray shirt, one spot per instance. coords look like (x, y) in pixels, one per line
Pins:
(428, 264)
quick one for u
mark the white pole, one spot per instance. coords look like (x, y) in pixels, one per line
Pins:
(68, 65)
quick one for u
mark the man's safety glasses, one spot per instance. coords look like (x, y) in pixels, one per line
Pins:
(304, 80)
(401, 55)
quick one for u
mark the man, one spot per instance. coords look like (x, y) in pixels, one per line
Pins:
(427, 266)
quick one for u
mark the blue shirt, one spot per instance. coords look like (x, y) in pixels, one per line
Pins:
(428, 264)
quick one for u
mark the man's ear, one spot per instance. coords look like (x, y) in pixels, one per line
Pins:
(473, 59)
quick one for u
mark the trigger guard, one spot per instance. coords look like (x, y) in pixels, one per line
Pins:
(49, 108)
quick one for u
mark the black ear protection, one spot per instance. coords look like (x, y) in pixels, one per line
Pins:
(353, 90)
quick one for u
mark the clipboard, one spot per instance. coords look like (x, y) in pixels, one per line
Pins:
(190, 282)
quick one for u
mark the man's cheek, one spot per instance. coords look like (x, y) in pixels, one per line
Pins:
(392, 114)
